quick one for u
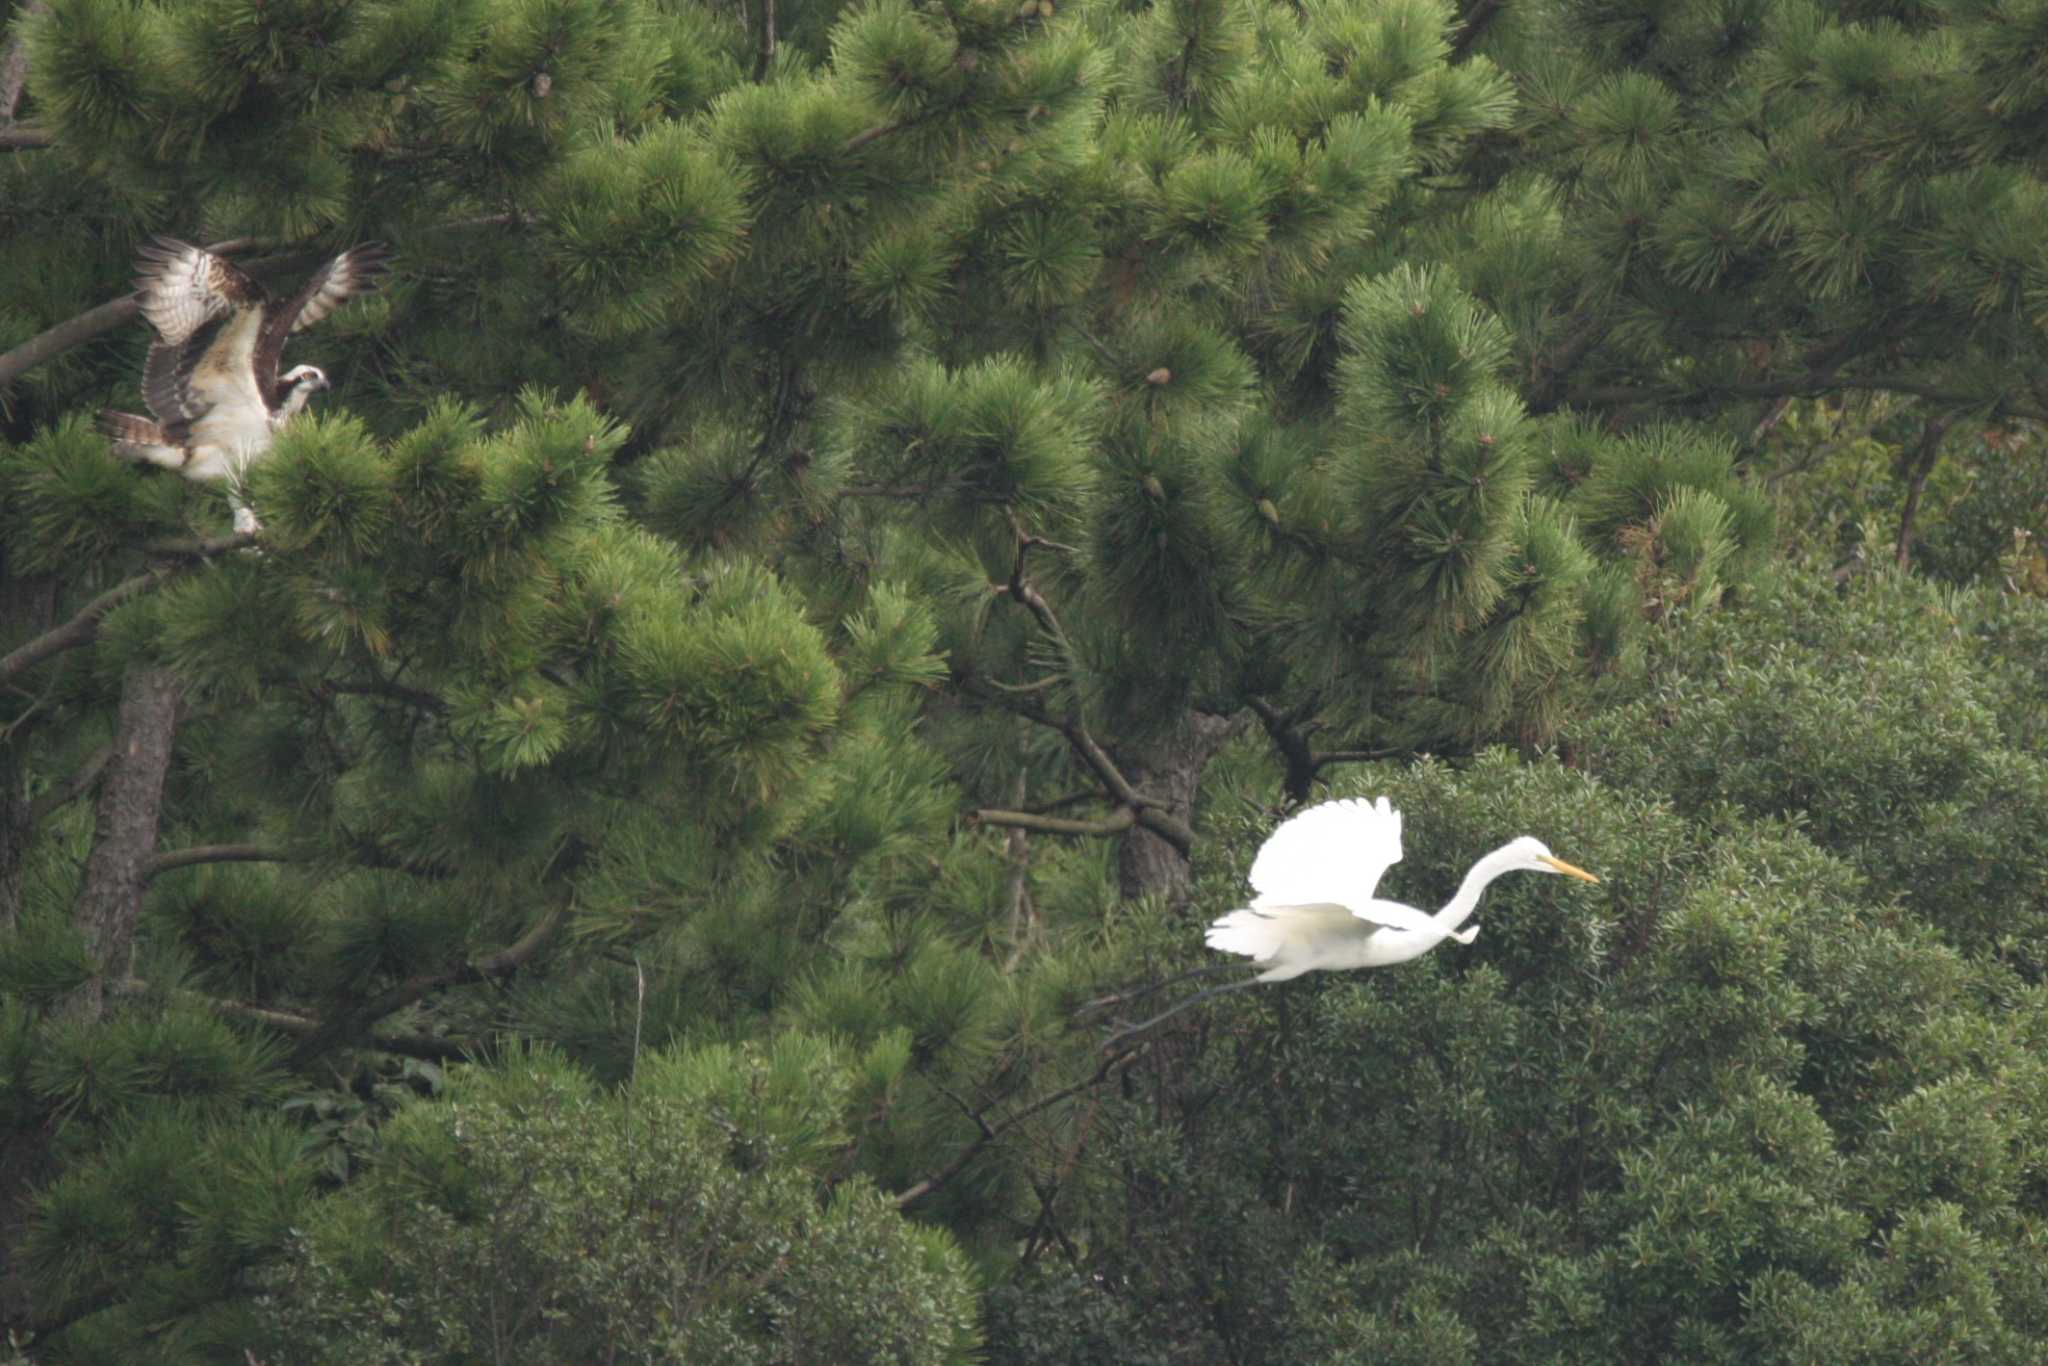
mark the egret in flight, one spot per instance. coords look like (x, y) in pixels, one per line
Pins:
(1315, 909)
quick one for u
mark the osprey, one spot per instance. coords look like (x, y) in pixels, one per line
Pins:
(212, 374)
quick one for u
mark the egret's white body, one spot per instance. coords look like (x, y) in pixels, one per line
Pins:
(1314, 908)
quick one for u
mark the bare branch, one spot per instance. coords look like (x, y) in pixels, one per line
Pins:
(426, 1047)
(1327, 757)
(766, 58)
(1804, 385)
(14, 66)
(192, 855)
(199, 547)
(506, 961)
(1144, 811)
(24, 137)
(108, 316)
(1115, 824)
(82, 628)
(1474, 27)
(1924, 461)
(396, 692)
(73, 787)
(65, 335)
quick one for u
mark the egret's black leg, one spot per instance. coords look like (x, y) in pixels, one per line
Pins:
(1113, 1040)
(1116, 998)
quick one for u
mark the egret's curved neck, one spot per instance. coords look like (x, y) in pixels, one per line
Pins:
(1461, 906)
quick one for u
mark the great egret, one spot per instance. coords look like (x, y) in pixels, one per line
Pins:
(1315, 909)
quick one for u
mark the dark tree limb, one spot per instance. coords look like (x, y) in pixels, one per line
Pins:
(14, 65)
(1924, 460)
(81, 629)
(426, 1047)
(1145, 812)
(1476, 20)
(193, 855)
(28, 604)
(110, 315)
(1122, 819)
(766, 58)
(396, 692)
(1807, 385)
(1285, 733)
(72, 788)
(199, 547)
(85, 625)
(353, 1022)
(124, 829)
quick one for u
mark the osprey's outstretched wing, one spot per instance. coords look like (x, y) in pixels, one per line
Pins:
(203, 309)
(356, 271)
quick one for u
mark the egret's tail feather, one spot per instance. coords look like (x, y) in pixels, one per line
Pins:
(1465, 936)
(1245, 931)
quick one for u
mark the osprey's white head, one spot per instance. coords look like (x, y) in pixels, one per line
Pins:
(301, 382)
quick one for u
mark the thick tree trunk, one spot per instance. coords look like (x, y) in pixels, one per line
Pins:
(27, 607)
(124, 828)
(1168, 769)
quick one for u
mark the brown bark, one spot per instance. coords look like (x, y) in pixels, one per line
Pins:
(1167, 769)
(1923, 464)
(124, 829)
(27, 606)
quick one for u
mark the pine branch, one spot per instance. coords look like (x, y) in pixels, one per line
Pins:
(1115, 824)
(1142, 810)
(14, 66)
(991, 1132)
(72, 788)
(1807, 385)
(426, 1047)
(396, 692)
(1354, 756)
(110, 315)
(199, 547)
(766, 58)
(964, 59)
(82, 628)
(195, 854)
(1476, 22)
(506, 961)
(1285, 733)
(25, 137)
(105, 318)
(1924, 461)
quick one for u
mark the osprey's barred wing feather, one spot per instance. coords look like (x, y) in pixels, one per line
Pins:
(191, 297)
(212, 377)
(183, 287)
(356, 271)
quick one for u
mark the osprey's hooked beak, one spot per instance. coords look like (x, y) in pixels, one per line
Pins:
(1569, 870)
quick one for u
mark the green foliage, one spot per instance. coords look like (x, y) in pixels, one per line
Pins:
(814, 472)
(692, 1217)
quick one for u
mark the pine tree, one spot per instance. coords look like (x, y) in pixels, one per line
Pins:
(814, 477)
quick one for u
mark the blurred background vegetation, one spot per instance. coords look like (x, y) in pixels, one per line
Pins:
(849, 525)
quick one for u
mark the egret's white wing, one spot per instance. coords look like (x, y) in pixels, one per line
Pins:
(1333, 852)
